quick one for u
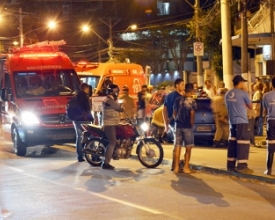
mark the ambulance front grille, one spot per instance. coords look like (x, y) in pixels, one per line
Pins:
(55, 119)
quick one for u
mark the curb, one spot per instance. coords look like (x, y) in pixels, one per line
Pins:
(216, 171)
(225, 172)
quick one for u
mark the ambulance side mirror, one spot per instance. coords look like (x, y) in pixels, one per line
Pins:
(4, 95)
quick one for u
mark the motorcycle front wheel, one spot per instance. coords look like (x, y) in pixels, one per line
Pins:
(150, 153)
(94, 151)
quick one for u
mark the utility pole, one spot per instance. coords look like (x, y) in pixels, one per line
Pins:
(244, 44)
(110, 40)
(200, 79)
(226, 44)
(21, 28)
(272, 29)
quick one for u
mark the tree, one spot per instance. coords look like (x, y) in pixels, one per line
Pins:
(210, 34)
(158, 44)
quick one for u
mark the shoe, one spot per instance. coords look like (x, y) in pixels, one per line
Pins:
(107, 166)
(115, 157)
(267, 172)
(245, 170)
(81, 160)
(216, 144)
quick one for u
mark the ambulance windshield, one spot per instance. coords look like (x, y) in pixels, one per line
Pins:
(45, 83)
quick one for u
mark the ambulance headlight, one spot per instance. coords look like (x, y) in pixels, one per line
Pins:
(144, 126)
(28, 118)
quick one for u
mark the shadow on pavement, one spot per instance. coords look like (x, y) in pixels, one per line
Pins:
(102, 180)
(268, 195)
(40, 151)
(191, 186)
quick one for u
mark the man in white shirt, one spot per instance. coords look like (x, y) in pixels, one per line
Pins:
(208, 88)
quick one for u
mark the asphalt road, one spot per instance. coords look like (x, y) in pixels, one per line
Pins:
(48, 183)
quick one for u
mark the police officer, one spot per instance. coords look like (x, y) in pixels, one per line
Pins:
(221, 119)
(237, 102)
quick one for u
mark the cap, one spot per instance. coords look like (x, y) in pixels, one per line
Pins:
(125, 88)
(239, 78)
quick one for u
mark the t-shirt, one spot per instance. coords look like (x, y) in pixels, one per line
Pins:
(183, 106)
(236, 102)
(269, 104)
(210, 92)
(169, 102)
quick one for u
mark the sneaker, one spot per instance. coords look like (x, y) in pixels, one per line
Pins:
(81, 160)
(245, 170)
(267, 172)
(107, 166)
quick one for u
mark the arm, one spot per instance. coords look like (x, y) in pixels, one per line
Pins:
(192, 118)
(114, 105)
(247, 101)
(165, 118)
(175, 114)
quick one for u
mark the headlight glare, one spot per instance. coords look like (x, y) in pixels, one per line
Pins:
(29, 118)
(144, 126)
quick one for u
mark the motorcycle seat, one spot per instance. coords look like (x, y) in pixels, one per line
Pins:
(97, 129)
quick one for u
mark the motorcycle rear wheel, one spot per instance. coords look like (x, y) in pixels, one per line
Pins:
(94, 151)
(150, 153)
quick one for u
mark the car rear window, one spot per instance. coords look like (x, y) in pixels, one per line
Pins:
(203, 104)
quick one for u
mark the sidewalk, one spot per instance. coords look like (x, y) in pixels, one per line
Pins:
(214, 160)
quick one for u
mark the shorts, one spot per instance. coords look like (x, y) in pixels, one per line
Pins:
(184, 137)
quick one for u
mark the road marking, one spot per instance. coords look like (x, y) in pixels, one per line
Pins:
(95, 194)
(120, 201)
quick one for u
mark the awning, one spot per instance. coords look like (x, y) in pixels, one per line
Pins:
(254, 40)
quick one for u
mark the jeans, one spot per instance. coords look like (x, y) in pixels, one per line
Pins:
(78, 131)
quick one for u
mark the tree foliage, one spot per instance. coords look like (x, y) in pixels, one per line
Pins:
(158, 44)
(210, 34)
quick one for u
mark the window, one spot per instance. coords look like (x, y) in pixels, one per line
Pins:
(163, 7)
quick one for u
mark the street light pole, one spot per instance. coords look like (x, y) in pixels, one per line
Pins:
(21, 28)
(199, 58)
(272, 29)
(244, 44)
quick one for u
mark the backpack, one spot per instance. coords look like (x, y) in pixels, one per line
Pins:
(73, 109)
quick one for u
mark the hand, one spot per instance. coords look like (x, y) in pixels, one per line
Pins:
(166, 128)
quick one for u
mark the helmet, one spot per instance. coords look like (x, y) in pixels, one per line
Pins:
(111, 87)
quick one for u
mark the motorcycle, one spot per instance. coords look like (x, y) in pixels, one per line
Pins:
(148, 149)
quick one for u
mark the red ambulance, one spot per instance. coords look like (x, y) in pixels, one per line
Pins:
(37, 82)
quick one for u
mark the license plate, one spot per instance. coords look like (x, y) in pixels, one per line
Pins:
(204, 128)
(61, 136)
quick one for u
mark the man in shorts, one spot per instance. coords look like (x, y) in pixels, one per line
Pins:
(184, 115)
(168, 106)
(269, 105)
(237, 101)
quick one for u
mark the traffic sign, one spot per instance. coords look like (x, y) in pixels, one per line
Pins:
(198, 49)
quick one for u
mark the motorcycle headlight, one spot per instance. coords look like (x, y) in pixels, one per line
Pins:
(144, 126)
(28, 118)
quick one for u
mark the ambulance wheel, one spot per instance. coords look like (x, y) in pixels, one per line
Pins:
(19, 147)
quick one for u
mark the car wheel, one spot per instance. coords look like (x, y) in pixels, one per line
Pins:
(19, 147)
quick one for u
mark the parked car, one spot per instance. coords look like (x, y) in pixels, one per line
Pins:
(204, 127)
